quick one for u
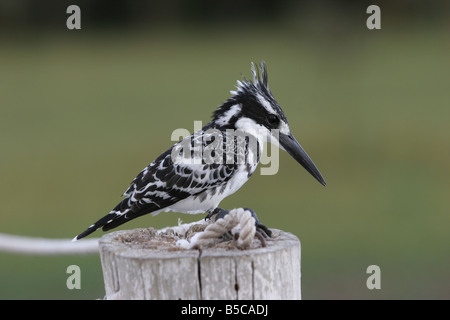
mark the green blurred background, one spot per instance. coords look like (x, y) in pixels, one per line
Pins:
(83, 111)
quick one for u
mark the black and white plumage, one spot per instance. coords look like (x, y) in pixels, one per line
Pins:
(183, 179)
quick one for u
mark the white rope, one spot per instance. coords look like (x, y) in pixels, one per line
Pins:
(42, 246)
(239, 221)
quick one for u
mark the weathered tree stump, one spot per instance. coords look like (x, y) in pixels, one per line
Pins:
(148, 264)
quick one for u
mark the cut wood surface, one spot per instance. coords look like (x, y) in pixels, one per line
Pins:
(151, 264)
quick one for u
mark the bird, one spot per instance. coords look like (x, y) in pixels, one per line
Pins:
(199, 171)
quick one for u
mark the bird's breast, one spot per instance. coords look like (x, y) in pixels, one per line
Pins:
(210, 198)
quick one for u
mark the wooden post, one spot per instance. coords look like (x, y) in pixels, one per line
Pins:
(147, 264)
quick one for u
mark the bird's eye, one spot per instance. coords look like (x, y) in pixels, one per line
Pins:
(273, 119)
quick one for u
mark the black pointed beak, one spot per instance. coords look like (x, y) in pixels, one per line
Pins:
(291, 145)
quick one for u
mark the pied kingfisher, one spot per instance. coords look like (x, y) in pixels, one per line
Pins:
(171, 184)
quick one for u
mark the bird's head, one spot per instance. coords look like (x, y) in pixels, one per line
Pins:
(253, 110)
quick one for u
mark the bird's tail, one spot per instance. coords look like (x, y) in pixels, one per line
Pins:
(119, 211)
(99, 224)
(119, 215)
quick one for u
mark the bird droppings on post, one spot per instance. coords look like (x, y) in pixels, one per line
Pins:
(150, 239)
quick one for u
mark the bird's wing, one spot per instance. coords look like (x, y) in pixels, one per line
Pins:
(166, 181)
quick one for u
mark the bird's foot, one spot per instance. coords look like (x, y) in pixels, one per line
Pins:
(260, 228)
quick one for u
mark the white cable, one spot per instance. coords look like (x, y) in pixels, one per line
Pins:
(42, 246)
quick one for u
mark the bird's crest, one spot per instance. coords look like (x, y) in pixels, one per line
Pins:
(260, 74)
(255, 90)
(260, 80)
